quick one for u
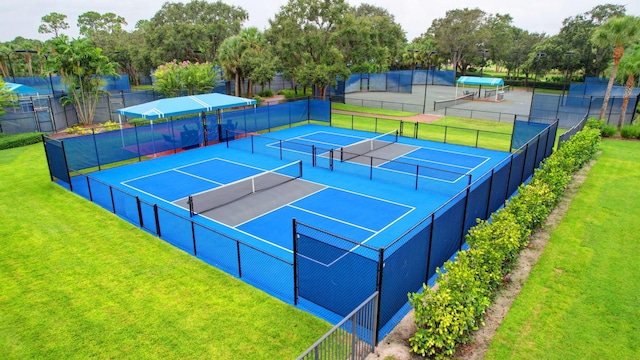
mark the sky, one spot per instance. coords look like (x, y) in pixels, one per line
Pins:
(22, 18)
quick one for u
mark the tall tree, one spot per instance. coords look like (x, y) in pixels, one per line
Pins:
(628, 71)
(102, 29)
(460, 34)
(81, 66)
(370, 39)
(501, 42)
(576, 35)
(618, 32)
(305, 34)
(53, 23)
(181, 31)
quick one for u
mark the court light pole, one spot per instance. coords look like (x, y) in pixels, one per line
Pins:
(426, 82)
(413, 66)
(483, 52)
(566, 76)
(28, 52)
(535, 80)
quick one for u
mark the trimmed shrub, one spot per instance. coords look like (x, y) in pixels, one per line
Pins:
(8, 141)
(467, 287)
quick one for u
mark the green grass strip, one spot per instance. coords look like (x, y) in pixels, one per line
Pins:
(369, 110)
(79, 282)
(581, 299)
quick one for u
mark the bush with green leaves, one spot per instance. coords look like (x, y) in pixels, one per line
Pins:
(266, 93)
(630, 132)
(9, 141)
(609, 131)
(465, 289)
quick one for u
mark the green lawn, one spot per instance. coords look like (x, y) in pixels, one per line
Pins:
(369, 110)
(491, 134)
(79, 282)
(582, 299)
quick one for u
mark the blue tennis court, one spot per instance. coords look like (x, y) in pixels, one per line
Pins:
(351, 206)
(233, 205)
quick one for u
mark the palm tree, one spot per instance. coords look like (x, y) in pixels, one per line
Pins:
(629, 67)
(229, 56)
(252, 43)
(618, 32)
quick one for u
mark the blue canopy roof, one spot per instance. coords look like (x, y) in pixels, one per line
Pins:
(184, 105)
(474, 80)
(21, 89)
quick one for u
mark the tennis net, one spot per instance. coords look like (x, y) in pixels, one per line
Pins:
(228, 193)
(441, 104)
(368, 145)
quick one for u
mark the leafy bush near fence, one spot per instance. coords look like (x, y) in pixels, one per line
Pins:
(8, 141)
(445, 317)
(605, 129)
(630, 132)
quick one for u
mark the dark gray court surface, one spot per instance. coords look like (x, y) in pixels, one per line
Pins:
(381, 155)
(515, 102)
(255, 204)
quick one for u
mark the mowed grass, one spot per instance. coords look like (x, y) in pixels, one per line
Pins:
(470, 132)
(78, 282)
(370, 110)
(582, 299)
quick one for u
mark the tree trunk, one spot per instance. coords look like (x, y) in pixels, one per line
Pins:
(625, 101)
(249, 89)
(617, 55)
(237, 87)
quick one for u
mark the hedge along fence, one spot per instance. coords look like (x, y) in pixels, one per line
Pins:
(466, 288)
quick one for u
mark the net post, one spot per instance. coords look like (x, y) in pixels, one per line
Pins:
(313, 155)
(341, 154)
(280, 149)
(300, 168)
(331, 159)
(295, 261)
(190, 202)
(370, 168)
(417, 175)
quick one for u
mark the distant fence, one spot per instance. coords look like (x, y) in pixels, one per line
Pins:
(47, 114)
(353, 338)
(427, 131)
(574, 130)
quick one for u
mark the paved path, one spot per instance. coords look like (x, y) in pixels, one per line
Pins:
(414, 118)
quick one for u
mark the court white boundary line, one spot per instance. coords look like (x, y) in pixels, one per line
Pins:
(437, 162)
(456, 152)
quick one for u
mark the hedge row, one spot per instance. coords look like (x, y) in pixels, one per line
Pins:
(18, 140)
(466, 288)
